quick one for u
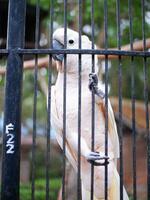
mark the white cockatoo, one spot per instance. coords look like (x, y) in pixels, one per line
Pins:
(86, 112)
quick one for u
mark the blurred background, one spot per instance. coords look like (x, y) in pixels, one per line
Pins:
(55, 171)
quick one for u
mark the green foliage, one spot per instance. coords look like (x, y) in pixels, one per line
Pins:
(72, 17)
(40, 177)
(28, 91)
(40, 189)
(126, 68)
(55, 163)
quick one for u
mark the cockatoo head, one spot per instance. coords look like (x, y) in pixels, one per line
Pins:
(72, 42)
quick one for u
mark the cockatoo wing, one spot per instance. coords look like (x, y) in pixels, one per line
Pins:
(112, 129)
(114, 192)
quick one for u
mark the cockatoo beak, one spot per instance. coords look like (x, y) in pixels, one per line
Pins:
(57, 46)
(58, 57)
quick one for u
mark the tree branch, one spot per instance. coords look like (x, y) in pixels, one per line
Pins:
(43, 62)
(30, 64)
(137, 46)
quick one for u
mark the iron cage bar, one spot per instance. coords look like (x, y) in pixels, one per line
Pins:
(12, 113)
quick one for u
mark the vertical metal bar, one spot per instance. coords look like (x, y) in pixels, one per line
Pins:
(49, 105)
(93, 101)
(64, 102)
(146, 100)
(120, 100)
(120, 129)
(35, 103)
(79, 104)
(48, 129)
(106, 94)
(133, 101)
(147, 126)
(12, 113)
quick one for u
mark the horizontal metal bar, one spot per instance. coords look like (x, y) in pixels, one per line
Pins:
(78, 51)
(83, 51)
(3, 51)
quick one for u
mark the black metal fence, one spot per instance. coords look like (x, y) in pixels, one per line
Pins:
(12, 113)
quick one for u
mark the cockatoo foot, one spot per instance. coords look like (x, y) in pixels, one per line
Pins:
(96, 159)
(93, 85)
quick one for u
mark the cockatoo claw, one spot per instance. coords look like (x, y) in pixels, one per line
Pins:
(93, 81)
(94, 78)
(96, 159)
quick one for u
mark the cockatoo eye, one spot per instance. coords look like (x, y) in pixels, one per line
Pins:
(71, 41)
